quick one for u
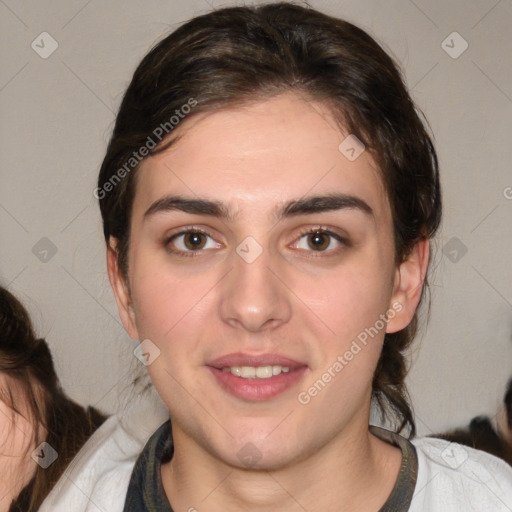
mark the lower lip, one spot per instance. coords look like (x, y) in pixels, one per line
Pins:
(257, 389)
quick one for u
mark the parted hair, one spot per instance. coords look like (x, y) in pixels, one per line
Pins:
(239, 55)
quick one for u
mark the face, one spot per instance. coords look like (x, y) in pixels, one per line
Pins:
(233, 263)
(16, 445)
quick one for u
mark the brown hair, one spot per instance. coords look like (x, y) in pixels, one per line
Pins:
(28, 365)
(240, 55)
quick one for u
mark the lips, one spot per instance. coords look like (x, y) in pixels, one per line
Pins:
(241, 359)
(256, 389)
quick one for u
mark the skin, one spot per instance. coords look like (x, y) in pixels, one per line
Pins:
(16, 445)
(318, 456)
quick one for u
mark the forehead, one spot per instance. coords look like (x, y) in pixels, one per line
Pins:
(261, 155)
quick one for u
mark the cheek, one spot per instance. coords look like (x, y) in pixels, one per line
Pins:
(349, 300)
(352, 305)
(170, 305)
(16, 445)
(352, 302)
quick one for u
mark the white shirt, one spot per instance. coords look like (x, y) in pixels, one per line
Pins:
(451, 477)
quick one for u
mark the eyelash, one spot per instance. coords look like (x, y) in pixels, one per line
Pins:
(311, 231)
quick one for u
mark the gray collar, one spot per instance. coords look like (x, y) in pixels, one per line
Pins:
(146, 492)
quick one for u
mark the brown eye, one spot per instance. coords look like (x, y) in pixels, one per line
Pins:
(194, 240)
(190, 242)
(319, 241)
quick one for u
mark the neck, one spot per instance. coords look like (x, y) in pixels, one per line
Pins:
(355, 470)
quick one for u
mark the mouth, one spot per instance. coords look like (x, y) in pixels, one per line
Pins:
(256, 378)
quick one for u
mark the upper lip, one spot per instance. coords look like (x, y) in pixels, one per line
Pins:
(241, 359)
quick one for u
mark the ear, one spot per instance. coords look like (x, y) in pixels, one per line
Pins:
(121, 290)
(408, 286)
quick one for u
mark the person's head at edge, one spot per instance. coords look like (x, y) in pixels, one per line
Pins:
(34, 409)
(250, 108)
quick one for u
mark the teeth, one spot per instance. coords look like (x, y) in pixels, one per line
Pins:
(259, 372)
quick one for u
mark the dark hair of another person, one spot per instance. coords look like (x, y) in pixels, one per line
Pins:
(483, 435)
(241, 55)
(28, 365)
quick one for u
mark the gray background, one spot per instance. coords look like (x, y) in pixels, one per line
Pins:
(57, 114)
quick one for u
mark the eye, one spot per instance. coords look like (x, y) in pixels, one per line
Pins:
(189, 241)
(320, 240)
(192, 241)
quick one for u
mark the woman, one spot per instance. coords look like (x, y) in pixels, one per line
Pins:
(268, 197)
(41, 429)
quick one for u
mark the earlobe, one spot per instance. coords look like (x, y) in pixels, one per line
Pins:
(409, 280)
(121, 290)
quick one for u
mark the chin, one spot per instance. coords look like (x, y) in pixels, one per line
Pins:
(250, 457)
(261, 451)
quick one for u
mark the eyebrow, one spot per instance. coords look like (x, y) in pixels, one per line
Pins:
(303, 206)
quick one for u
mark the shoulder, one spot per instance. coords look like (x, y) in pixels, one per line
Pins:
(453, 477)
(100, 472)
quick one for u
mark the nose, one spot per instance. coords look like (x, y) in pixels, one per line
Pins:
(254, 296)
